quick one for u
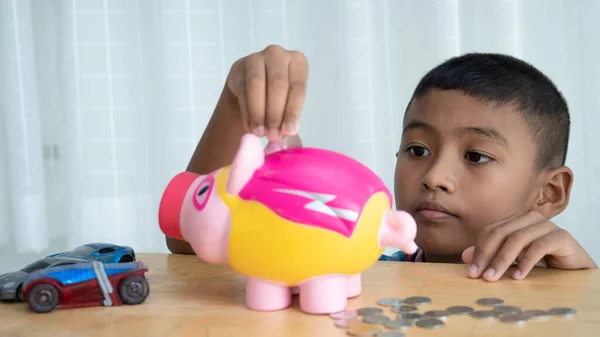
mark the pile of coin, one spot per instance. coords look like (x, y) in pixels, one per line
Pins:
(372, 321)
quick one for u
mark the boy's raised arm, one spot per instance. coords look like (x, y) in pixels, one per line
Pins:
(264, 94)
(216, 148)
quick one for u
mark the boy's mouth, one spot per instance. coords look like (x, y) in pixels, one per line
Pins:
(433, 211)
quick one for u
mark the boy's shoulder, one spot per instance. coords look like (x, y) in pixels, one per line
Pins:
(403, 257)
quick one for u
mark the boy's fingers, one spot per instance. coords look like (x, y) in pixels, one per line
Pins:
(243, 104)
(492, 240)
(515, 243)
(236, 83)
(537, 250)
(255, 83)
(497, 223)
(298, 78)
(277, 89)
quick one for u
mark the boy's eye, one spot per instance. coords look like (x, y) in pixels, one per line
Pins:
(477, 157)
(418, 151)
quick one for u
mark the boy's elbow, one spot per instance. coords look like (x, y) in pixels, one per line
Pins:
(179, 247)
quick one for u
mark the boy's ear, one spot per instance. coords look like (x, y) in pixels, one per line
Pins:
(555, 191)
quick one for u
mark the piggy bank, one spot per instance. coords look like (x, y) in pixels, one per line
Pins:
(303, 219)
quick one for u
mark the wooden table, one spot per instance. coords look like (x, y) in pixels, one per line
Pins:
(190, 298)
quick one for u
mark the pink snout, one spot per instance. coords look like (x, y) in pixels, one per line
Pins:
(398, 230)
(169, 212)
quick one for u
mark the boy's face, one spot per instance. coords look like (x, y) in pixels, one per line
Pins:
(462, 164)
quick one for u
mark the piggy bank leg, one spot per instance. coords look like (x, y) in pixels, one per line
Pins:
(324, 294)
(263, 295)
(354, 286)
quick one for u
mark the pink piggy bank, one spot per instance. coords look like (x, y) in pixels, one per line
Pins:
(302, 218)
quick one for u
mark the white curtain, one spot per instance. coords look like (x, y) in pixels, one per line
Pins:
(103, 101)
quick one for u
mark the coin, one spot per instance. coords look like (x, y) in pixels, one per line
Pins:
(375, 319)
(459, 310)
(562, 311)
(417, 300)
(390, 302)
(430, 323)
(489, 301)
(441, 314)
(507, 309)
(410, 316)
(346, 314)
(362, 329)
(366, 311)
(398, 323)
(484, 314)
(345, 323)
(536, 314)
(514, 318)
(405, 308)
(391, 334)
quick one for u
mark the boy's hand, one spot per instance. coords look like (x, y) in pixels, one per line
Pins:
(270, 87)
(525, 240)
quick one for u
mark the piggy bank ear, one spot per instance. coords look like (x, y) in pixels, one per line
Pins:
(249, 158)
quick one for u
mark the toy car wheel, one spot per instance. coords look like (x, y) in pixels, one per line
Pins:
(20, 294)
(126, 258)
(134, 289)
(43, 298)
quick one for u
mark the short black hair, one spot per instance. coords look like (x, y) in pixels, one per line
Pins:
(503, 79)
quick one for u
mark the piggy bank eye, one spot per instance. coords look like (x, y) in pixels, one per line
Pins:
(202, 193)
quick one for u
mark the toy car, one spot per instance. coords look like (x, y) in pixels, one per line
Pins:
(104, 252)
(11, 283)
(87, 284)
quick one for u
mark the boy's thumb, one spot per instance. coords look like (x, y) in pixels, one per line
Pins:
(467, 255)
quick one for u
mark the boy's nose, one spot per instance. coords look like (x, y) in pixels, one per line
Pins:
(438, 178)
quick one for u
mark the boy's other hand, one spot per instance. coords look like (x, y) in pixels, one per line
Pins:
(270, 88)
(526, 241)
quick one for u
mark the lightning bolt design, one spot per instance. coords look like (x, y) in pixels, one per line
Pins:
(319, 204)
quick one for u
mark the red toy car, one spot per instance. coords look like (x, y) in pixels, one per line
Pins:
(86, 284)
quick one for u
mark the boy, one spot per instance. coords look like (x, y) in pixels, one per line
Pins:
(481, 164)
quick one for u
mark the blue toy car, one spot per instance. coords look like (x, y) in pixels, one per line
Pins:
(10, 283)
(103, 252)
(86, 284)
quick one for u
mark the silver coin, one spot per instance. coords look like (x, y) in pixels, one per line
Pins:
(485, 314)
(430, 323)
(417, 300)
(391, 334)
(346, 314)
(441, 314)
(398, 323)
(405, 308)
(514, 318)
(562, 311)
(535, 314)
(460, 310)
(410, 316)
(345, 323)
(375, 319)
(366, 311)
(490, 301)
(507, 309)
(390, 302)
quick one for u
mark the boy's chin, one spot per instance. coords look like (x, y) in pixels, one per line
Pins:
(439, 245)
